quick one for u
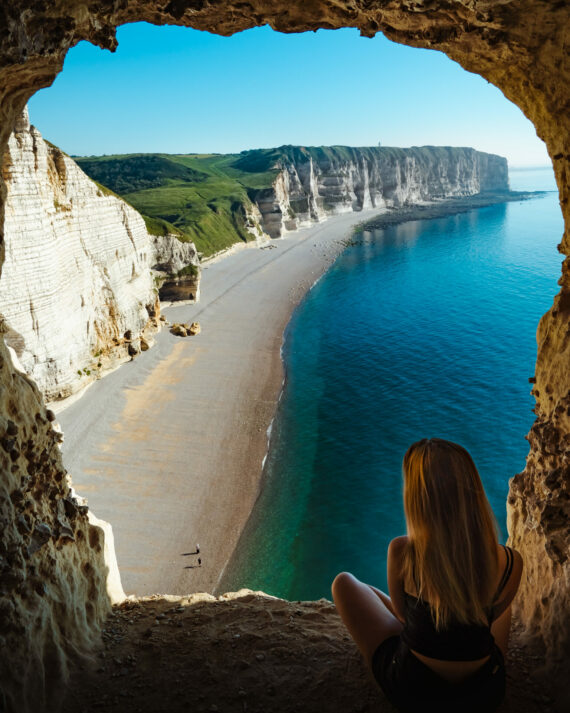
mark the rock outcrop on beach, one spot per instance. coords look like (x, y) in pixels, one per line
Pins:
(176, 268)
(53, 599)
(315, 182)
(77, 292)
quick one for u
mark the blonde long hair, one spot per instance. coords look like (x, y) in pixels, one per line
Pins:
(451, 557)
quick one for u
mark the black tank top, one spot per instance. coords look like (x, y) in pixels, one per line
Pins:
(458, 642)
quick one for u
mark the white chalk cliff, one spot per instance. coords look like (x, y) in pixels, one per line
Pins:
(76, 290)
(319, 181)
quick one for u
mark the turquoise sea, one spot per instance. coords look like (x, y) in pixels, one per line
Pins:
(422, 329)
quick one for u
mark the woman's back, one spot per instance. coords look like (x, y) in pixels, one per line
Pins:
(458, 649)
(438, 641)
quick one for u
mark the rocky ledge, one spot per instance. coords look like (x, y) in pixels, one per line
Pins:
(244, 651)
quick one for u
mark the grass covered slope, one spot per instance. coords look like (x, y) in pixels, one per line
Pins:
(207, 198)
(203, 198)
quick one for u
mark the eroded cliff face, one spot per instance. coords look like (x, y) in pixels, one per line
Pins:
(177, 269)
(313, 183)
(539, 499)
(53, 594)
(77, 294)
(521, 46)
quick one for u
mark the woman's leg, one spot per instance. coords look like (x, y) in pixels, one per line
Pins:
(366, 613)
(385, 599)
(500, 629)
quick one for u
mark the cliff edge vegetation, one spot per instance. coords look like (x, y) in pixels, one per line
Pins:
(217, 200)
(200, 198)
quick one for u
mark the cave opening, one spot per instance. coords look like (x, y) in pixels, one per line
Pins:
(99, 75)
(545, 590)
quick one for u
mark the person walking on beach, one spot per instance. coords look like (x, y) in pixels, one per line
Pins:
(438, 642)
(197, 549)
(199, 561)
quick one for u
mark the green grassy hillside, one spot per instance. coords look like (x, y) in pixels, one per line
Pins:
(205, 197)
(202, 198)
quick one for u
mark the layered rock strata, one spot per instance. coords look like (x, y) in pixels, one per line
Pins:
(313, 183)
(521, 46)
(77, 294)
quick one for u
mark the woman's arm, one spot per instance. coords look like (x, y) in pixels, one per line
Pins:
(395, 579)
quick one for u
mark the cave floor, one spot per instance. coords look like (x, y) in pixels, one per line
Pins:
(244, 653)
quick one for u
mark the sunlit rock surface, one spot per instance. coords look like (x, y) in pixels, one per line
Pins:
(76, 291)
(316, 182)
(177, 269)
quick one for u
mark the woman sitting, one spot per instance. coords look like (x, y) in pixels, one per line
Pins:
(438, 642)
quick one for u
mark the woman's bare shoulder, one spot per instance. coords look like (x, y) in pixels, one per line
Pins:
(398, 545)
(502, 556)
(517, 565)
(508, 577)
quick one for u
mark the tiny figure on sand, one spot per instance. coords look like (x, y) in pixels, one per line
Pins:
(199, 561)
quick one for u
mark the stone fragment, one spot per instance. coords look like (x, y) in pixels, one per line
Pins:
(178, 330)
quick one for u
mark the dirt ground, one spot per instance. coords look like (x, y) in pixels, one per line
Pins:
(244, 653)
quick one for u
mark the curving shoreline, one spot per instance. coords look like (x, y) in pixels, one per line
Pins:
(441, 209)
(170, 448)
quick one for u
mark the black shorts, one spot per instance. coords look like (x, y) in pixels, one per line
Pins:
(413, 687)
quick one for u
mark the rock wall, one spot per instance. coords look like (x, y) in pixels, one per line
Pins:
(177, 269)
(76, 293)
(53, 594)
(539, 499)
(315, 182)
(521, 46)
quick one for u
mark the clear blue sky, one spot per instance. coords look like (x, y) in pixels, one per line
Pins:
(176, 90)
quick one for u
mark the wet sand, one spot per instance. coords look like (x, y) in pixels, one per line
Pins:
(169, 447)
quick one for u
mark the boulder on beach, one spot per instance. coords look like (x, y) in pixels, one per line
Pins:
(179, 330)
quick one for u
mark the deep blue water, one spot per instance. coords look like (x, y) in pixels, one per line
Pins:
(422, 329)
